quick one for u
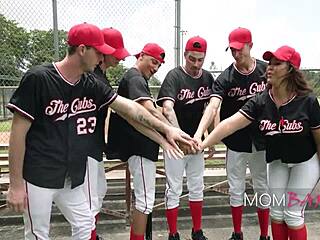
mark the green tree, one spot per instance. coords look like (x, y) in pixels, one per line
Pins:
(41, 47)
(13, 50)
(114, 74)
(314, 79)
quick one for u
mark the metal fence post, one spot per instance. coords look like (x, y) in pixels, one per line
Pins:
(55, 30)
(4, 104)
(177, 26)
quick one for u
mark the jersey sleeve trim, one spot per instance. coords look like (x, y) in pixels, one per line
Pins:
(316, 127)
(165, 98)
(217, 96)
(17, 109)
(246, 115)
(143, 98)
(110, 101)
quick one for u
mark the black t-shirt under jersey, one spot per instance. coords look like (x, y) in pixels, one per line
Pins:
(122, 137)
(234, 88)
(287, 130)
(63, 117)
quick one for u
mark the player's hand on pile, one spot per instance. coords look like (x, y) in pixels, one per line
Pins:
(175, 135)
(198, 143)
(17, 198)
(210, 152)
(171, 151)
(189, 149)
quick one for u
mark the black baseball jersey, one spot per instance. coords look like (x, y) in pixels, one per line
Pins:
(64, 117)
(98, 140)
(288, 129)
(122, 137)
(234, 88)
(189, 94)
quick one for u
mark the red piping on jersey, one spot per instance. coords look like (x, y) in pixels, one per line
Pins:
(143, 98)
(14, 107)
(29, 214)
(316, 127)
(216, 96)
(110, 101)
(246, 115)
(287, 102)
(248, 73)
(165, 98)
(63, 78)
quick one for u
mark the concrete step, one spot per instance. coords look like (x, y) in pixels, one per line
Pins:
(119, 229)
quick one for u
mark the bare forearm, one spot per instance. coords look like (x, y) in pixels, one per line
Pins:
(16, 157)
(170, 115)
(206, 121)
(226, 128)
(134, 111)
(150, 133)
(158, 114)
(19, 129)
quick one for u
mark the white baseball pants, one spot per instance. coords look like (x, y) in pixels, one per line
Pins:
(95, 184)
(193, 166)
(143, 172)
(297, 179)
(236, 165)
(71, 202)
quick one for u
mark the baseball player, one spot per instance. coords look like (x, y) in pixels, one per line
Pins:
(288, 115)
(140, 151)
(95, 185)
(234, 86)
(183, 95)
(54, 115)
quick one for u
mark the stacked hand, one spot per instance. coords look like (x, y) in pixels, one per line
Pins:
(200, 147)
(180, 142)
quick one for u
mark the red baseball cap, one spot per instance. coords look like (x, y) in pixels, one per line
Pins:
(239, 37)
(88, 35)
(196, 44)
(284, 53)
(153, 50)
(114, 38)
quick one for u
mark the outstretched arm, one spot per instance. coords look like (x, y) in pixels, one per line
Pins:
(228, 126)
(129, 109)
(169, 113)
(17, 196)
(158, 138)
(149, 105)
(207, 117)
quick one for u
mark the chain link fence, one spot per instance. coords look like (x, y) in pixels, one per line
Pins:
(27, 35)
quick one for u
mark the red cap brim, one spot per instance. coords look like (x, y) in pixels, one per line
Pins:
(268, 55)
(121, 53)
(105, 49)
(236, 45)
